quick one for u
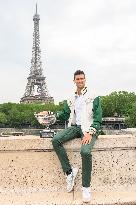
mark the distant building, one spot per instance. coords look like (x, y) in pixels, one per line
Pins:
(113, 123)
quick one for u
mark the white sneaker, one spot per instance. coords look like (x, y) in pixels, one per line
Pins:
(86, 193)
(71, 178)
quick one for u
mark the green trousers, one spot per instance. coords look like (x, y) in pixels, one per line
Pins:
(69, 134)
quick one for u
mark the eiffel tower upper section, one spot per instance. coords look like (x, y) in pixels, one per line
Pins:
(36, 88)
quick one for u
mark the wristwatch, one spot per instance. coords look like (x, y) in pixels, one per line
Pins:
(92, 131)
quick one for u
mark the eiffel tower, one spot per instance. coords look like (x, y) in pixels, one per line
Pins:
(36, 88)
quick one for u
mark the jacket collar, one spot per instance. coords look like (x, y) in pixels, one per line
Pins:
(83, 91)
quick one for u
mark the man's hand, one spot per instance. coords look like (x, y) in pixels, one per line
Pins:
(86, 138)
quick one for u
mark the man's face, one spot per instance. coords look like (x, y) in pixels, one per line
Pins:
(80, 81)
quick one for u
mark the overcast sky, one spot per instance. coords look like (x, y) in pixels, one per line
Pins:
(97, 36)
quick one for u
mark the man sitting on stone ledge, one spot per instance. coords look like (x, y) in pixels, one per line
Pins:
(85, 116)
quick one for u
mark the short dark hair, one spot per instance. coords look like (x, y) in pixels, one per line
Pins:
(79, 72)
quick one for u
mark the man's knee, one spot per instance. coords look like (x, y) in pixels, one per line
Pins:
(85, 151)
(55, 140)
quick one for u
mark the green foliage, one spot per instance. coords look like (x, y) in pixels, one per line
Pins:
(22, 115)
(121, 103)
(118, 103)
(131, 119)
(3, 118)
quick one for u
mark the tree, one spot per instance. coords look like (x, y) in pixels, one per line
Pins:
(18, 115)
(131, 119)
(3, 118)
(117, 102)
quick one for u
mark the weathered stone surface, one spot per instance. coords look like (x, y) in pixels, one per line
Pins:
(30, 142)
(63, 198)
(30, 166)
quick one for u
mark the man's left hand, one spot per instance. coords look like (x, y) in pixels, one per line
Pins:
(86, 138)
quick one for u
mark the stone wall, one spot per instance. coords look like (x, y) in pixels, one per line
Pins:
(29, 163)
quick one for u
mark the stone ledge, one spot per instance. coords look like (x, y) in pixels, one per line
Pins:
(29, 162)
(29, 142)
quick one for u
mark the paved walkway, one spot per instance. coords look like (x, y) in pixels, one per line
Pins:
(54, 198)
